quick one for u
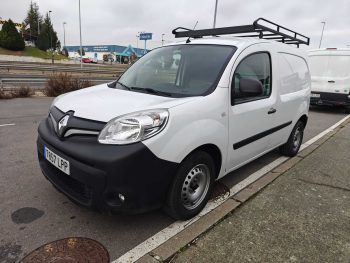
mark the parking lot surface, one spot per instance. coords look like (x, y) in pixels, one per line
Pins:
(302, 216)
(33, 213)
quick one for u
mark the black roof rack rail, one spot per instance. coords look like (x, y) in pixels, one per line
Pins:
(261, 28)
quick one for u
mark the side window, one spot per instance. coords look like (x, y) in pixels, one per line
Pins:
(252, 79)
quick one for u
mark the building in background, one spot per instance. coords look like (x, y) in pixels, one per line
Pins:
(121, 54)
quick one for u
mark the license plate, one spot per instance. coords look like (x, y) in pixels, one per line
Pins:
(315, 95)
(56, 160)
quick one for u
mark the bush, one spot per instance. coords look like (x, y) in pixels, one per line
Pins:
(10, 38)
(61, 83)
(5, 95)
(22, 92)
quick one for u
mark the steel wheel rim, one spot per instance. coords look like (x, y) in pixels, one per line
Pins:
(195, 186)
(297, 138)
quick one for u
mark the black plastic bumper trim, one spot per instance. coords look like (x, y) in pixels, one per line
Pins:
(331, 99)
(98, 172)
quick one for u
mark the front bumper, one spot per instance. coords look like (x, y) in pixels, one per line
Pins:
(99, 173)
(330, 99)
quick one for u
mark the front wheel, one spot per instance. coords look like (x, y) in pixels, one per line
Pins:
(191, 187)
(292, 146)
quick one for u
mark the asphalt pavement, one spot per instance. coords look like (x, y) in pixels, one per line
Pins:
(33, 213)
(303, 216)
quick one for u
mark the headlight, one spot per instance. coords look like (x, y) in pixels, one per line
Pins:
(134, 127)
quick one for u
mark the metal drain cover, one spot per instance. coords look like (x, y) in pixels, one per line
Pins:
(69, 250)
(219, 190)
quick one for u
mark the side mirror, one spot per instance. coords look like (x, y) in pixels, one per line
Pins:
(250, 87)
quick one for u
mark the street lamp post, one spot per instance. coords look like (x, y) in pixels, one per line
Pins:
(50, 29)
(81, 48)
(64, 34)
(163, 39)
(216, 9)
(324, 23)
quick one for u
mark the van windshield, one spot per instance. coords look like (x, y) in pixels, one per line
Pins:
(330, 66)
(178, 71)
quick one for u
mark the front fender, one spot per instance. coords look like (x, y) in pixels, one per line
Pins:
(191, 125)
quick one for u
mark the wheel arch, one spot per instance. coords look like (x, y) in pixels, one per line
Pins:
(214, 152)
(304, 119)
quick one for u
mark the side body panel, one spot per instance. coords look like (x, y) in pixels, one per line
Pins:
(294, 92)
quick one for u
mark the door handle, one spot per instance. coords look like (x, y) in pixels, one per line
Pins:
(271, 111)
(331, 81)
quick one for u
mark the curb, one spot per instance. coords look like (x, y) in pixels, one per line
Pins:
(169, 249)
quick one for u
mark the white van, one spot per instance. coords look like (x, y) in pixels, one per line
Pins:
(181, 117)
(330, 77)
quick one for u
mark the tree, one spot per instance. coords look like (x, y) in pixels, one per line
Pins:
(10, 38)
(33, 23)
(83, 53)
(65, 52)
(43, 42)
(48, 37)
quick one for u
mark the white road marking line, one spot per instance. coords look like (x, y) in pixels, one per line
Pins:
(320, 135)
(175, 228)
(7, 124)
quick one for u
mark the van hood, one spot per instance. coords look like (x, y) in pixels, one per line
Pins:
(102, 103)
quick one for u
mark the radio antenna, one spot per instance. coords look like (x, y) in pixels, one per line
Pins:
(188, 39)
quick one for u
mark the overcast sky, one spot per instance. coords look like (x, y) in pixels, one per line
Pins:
(119, 21)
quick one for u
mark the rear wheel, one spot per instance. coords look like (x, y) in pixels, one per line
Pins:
(191, 187)
(347, 110)
(292, 146)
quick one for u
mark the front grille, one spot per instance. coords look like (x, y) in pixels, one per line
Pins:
(75, 125)
(72, 187)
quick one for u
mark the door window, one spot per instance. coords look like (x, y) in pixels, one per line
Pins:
(254, 70)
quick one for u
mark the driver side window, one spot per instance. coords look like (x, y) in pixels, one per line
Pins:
(257, 68)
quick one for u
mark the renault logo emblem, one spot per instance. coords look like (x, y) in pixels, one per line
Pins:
(62, 124)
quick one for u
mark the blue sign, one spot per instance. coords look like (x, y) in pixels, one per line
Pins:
(145, 36)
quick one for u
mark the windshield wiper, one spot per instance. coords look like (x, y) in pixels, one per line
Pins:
(148, 90)
(112, 84)
(123, 85)
(152, 91)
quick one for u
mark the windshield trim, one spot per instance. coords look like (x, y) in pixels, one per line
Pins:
(209, 90)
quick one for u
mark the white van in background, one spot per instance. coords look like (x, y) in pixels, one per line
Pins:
(330, 77)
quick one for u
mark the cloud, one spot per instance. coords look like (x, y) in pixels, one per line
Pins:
(118, 22)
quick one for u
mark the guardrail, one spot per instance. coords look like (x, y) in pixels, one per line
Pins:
(77, 64)
(53, 69)
(36, 82)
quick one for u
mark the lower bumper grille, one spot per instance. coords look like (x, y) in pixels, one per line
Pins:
(72, 187)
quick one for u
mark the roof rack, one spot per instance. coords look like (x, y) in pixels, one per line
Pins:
(261, 28)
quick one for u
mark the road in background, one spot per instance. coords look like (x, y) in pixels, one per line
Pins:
(33, 213)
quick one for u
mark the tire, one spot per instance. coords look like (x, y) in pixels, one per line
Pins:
(292, 146)
(193, 182)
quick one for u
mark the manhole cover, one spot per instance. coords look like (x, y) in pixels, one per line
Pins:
(219, 190)
(69, 250)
